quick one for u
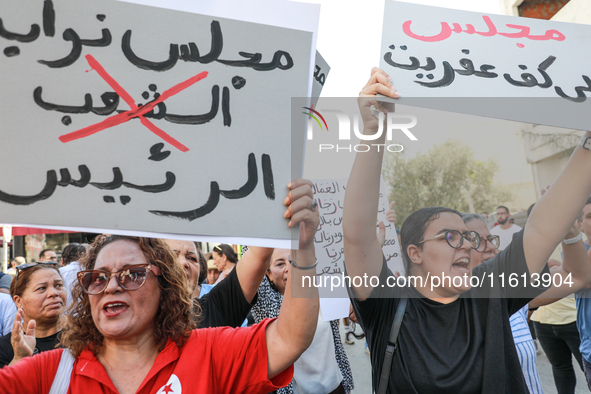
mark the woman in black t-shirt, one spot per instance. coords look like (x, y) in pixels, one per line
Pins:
(455, 335)
(225, 259)
(40, 296)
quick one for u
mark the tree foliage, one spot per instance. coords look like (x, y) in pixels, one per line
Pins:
(447, 175)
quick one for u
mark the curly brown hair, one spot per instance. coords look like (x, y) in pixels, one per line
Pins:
(175, 317)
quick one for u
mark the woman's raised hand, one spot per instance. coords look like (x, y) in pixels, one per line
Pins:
(23, 343)
(379, 82)
(302, 209)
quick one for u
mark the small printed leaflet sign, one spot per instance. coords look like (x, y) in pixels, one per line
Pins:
(329, 194)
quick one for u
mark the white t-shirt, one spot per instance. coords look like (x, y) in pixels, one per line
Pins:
(505, 235)
(317, 371)
(70, 276)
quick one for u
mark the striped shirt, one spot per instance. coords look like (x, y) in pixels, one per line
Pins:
(526, 350)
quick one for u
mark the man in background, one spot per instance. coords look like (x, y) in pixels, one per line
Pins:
(505, 229)
(47, 255)
(212, 272)
(20, 260)
(71, 256)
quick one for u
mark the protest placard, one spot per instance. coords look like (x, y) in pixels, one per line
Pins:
(127, 118)
(280, 13)
(329, 194)
(321, 70)
(519, 69)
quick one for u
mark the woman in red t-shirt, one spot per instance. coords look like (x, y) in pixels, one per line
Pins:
(134, 333)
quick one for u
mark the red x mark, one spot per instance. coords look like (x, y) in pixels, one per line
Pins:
(135, 111)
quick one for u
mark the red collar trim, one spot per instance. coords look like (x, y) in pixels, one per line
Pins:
(89, 366)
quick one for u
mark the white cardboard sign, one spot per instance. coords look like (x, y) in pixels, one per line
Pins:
(131, 118)
(506, 62)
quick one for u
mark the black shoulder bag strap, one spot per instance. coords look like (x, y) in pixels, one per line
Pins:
(392, 346)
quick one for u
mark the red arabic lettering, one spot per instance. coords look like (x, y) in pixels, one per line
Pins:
(445, 33)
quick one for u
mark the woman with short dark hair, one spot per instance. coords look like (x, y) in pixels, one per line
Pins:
(455, 335)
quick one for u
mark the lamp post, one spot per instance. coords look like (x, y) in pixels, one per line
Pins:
(7, 237)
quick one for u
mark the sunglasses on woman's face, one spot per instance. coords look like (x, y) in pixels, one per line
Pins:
(23, 267)
(129, 278)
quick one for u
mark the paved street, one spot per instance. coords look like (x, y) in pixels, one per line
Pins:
(362, 370)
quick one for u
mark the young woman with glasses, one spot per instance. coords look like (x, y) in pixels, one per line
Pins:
(132, 329)
(40, 296)
(455, 336)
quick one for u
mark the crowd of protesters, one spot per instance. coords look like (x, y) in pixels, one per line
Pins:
(143, 315)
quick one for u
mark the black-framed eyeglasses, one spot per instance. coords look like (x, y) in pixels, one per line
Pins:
(23, 267)
(130, 278)
(495, 241)
(455, 238)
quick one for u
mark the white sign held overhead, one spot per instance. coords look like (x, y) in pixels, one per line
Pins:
(279, 13)
(175, 131)
(520, 69)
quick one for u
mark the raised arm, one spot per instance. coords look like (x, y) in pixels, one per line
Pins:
(558, 208)
(23, 343)
(291, 334)
(363, 252)
(251, 270)
(576, 264)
